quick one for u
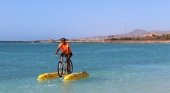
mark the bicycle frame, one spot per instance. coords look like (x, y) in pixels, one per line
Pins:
(63, 66)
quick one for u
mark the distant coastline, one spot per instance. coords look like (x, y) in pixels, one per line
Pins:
(136, 36)
(93, 41)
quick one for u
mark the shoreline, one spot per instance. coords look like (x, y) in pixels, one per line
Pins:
(96, 41)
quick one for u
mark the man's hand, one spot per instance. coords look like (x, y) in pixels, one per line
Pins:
(55, 53)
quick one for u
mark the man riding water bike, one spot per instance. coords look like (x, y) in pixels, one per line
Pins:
(65, 49)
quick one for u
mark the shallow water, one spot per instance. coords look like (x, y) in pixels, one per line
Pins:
(113, 68)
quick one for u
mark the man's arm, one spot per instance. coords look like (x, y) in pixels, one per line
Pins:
(57, 50)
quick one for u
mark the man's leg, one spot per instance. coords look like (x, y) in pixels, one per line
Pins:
(68, 62)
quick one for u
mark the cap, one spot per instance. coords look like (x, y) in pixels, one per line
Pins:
(63, 39)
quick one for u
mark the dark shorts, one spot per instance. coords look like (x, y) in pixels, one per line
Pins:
(66, 55)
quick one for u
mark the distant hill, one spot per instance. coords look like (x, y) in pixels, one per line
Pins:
(141, 32)
(134, 33)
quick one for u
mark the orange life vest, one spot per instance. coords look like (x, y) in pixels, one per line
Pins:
(65, 48)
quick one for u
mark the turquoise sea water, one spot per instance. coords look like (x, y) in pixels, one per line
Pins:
(113, 68)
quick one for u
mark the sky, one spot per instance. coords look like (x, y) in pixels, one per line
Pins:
(25, 20)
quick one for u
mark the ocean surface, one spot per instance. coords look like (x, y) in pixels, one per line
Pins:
(113, 68)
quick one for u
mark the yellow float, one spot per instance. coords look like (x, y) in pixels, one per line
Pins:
(76, 76)
(47, 76)
(69, 77)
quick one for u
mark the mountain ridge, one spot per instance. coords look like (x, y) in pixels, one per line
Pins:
(141, 32)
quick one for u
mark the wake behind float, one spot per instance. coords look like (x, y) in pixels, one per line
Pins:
(68, 77)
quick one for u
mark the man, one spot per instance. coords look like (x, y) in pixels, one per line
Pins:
(65, 49)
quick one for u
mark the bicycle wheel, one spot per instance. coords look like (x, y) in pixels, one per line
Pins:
(69, 67)
(60, 69)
